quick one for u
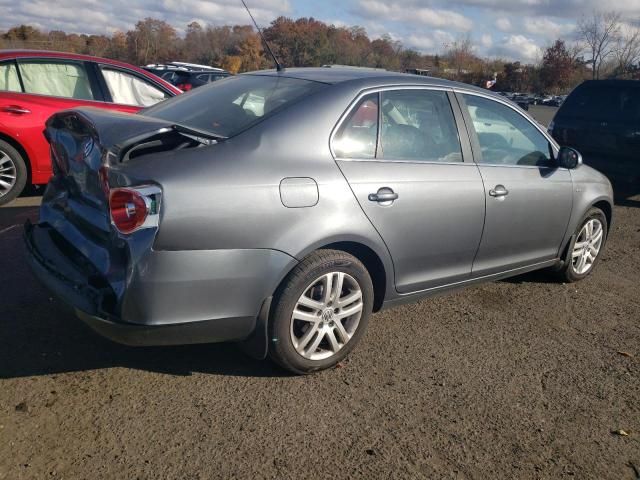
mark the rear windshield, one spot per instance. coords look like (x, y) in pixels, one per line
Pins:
(229, 106)
(603, 102)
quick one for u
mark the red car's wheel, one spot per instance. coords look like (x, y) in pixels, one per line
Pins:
(13, 173)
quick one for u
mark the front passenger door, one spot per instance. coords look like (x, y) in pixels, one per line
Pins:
(415, 180)
(528, 197)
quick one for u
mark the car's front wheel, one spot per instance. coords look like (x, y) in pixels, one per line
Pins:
(584, 251)
(321, 312)
(13, 173)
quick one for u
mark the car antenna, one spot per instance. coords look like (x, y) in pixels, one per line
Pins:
(279, 67)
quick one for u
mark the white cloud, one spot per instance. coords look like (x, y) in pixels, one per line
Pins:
(430, 17)
(517, 47)
(486, 41)
(503, 24)
(435, 41)
(547, 28)
(95, 16)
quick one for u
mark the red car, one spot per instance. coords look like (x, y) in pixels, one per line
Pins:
(36, 84)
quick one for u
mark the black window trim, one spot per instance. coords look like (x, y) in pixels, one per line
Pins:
(15, 64)
(466, 148)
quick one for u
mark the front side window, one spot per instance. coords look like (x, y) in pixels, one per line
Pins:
(418, 125)
(9, 81)
(505, 136)
(129, 89)
(358, 134)
(56, 78)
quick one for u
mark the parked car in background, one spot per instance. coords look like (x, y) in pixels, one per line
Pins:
(281, 208)
(601, 118)
(187, 76)
(36, 84)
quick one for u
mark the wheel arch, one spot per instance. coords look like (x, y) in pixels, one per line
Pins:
(22, 151)
(607, 208)
(372, 263)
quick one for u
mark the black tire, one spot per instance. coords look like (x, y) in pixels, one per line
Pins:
(20, 171)
(313, 267)
(567, 272)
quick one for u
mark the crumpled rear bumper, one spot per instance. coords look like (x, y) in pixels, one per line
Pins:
(171, 298)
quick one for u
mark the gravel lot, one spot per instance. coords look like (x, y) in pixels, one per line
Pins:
(523, 378)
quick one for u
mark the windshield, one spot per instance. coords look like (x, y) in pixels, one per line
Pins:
(229, 106)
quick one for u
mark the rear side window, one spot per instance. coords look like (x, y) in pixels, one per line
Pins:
(358, 134)
(9, 81)
(128, 89)
(229, 106)
(418, 125)
(56, 79)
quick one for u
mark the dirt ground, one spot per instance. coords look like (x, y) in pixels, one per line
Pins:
(523, 378)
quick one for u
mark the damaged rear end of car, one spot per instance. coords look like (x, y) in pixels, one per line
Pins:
(93, 246)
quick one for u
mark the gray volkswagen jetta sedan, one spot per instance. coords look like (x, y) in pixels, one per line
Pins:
(280, 209)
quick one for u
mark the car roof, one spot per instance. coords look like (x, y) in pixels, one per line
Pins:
(20, 53)
(611, 83)
(365, 77)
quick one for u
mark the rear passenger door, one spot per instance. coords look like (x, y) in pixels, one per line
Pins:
(38, 88)
(414, 177)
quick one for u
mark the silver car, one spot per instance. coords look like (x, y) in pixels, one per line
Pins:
(280, 209)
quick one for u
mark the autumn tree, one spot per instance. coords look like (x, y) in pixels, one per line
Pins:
(24, 33)
(117, 46)
(299, 43)
(557, 69)
(152, 40)
(460, 56)
(250, 52)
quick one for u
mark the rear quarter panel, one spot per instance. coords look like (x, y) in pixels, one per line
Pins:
(227, 196)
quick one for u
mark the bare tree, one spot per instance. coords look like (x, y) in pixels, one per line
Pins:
(599, 32)
(627, 50)
(460, 55)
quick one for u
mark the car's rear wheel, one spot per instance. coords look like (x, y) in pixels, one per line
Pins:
(321, 312)
(584, 251)
(13, 173)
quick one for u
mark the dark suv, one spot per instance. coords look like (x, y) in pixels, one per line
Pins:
(601, 119)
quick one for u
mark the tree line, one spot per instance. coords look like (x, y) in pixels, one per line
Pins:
(606, 47)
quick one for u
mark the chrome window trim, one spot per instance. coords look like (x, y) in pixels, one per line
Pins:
(387, 88)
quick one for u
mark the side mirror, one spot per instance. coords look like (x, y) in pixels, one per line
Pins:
(569, 158)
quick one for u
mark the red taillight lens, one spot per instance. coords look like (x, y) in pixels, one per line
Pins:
(128, 209)
(185, 87)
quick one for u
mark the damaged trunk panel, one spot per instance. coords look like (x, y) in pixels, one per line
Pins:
(75, 231)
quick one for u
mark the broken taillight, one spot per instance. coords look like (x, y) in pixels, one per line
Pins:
(134, 208)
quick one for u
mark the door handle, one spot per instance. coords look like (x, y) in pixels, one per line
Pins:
(384, 196)
(499, 191)
(15, 109)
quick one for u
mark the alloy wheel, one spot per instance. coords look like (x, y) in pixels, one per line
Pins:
(8, 173)
(326, 316)
(587, 246)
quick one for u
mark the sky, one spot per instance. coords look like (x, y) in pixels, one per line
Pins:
(510, 29)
